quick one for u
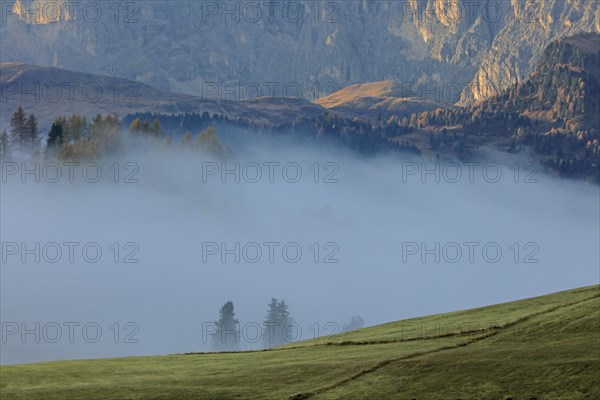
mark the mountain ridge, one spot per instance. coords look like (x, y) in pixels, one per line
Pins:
(555, 113)
(49, 92)
(428, 42)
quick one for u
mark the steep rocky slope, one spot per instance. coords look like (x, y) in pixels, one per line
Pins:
(519, 46)
(554, 114)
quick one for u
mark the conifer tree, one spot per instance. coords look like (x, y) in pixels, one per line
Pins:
(271, 323)
(278, 324)
(32, 132)
(227, 335)
(55, 137)
(18, 124)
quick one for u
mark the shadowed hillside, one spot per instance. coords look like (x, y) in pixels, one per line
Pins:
(49, 92)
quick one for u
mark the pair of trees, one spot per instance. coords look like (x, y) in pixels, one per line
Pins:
(139, 126)
(276, 332)
(206, 140)
(24, 131)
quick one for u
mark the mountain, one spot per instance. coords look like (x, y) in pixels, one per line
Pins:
(563, 87)
(517, 50)
(49, 92)
(379, 99)
(539, 348)
(555, 113)
(302, 48)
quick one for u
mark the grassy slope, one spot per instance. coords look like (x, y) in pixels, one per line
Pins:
(546, 347)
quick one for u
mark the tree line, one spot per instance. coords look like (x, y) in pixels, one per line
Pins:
(359, 135)
(75, 137)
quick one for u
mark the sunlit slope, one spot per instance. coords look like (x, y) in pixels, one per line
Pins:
(545, 347)
(385, 98)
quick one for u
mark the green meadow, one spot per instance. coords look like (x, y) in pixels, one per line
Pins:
(546, 347)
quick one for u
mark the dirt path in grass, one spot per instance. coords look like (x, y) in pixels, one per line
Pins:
(483, 334)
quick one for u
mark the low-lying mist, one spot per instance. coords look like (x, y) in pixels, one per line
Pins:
(332, 233)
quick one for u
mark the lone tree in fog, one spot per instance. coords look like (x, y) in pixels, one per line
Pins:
(278, 324)
(227, 335)
(356, 322)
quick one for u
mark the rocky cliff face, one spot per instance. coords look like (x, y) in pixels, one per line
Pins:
(452, 49)
(520, 44)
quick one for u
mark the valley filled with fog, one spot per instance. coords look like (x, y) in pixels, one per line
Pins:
(333, 233)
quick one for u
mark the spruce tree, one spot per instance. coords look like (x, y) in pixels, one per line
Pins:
(285, 320)
(32, 132)
(227, 335)
(278, 324)
(18, 124)
(271, 323)
(55, 137)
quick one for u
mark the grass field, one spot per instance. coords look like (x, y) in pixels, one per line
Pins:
(541, 348)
